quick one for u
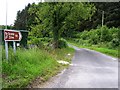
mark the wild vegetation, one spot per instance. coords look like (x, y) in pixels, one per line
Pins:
(27, 65)
(102, 36)
(103, 39)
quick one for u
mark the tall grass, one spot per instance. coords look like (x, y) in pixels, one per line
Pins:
(26, 65)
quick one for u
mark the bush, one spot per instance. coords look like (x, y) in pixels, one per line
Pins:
(105, 34)
(84, 35)
(77, 40)
(115, 42)
(94, 39)
(81, 42)
(62, 44)
(37, 42)
(102, 36)
(46, 39)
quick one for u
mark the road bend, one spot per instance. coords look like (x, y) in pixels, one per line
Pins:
(89, 69)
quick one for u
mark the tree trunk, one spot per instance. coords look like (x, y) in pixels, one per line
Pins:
(56, 28)
(55, 38)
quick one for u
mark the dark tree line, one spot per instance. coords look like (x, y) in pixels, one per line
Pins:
(111, 16)
(23, 19)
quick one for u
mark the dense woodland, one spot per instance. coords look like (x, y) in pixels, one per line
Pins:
(111, 16)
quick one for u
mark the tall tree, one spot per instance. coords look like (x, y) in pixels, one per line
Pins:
(23, 19)
(55, 17)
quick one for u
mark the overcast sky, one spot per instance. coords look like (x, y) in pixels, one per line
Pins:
(12, 7)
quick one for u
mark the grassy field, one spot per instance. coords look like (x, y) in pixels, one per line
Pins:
(24, 67)
(104, 50)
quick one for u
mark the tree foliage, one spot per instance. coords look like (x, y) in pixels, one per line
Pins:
(55, 19)
(102, 36)
(24, 19)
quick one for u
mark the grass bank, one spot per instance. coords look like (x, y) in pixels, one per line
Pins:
(111, 52)
(24, 67)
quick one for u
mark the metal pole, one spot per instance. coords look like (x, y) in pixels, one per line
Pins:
(102, 18)
(6, 49)
(14, 46)
(6, 13)
(102, 24)
(6, 43)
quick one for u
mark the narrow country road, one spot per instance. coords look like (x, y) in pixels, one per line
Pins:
(89, 69)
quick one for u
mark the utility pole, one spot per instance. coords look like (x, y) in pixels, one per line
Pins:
(6, 42)
(102, 18)
(102, 24)
(6, 13)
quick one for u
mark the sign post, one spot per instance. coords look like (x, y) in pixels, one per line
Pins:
(14, 46)
(11, 35)
(6, 49)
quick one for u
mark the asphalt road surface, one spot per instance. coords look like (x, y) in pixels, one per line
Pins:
(89, 69)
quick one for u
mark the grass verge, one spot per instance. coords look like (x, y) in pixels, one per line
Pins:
(27, 65)
(111, 52)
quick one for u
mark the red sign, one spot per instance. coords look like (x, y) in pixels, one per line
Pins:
(12, 35)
